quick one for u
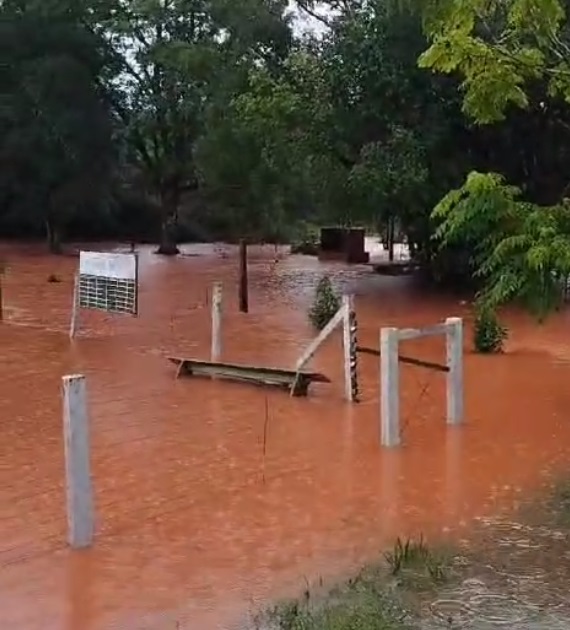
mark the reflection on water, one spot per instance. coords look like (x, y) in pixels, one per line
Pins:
(213, 497)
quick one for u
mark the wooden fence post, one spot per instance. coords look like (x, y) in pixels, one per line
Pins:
(74, 307)
(217, 322)
(243, 285)
(349, 347)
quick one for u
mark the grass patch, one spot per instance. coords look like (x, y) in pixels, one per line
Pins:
(380, 597)
(417, 565)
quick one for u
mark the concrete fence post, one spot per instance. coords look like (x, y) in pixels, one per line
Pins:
(79, 491)
(389, 388)
(454, 348)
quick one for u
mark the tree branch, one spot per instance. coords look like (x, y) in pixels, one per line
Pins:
(305, 8)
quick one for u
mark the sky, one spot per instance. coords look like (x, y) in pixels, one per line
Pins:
(305, 23)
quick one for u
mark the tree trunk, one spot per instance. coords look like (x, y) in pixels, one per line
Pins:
(53, 237)
(167, 245)
(391, 230)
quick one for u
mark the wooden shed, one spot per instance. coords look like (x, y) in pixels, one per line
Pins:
(346, 244)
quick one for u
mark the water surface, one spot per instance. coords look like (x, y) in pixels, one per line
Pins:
(214, 497)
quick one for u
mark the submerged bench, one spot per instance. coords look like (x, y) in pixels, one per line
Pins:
(276, 377)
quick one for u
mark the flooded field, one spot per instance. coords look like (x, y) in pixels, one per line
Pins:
(214, 498)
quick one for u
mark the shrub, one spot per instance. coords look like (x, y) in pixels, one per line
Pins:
(325, 305)
(488, 334)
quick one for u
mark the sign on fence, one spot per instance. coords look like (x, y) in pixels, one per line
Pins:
(106, 282)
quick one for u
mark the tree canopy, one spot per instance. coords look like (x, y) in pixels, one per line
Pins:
(445, 123)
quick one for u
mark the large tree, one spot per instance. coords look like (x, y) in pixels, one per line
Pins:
(510, 55)
(179, 58)
(55, 127)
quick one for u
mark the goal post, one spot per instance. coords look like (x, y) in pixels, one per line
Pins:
(452, 329)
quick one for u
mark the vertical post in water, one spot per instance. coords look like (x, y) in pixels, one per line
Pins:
(349, 346)
(389, 388)
(347, 307)
(217, 321)
(454, 347)
(77, 466)
(243, 288)
(74, 307)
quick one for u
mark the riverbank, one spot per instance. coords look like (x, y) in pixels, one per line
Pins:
(513, 573)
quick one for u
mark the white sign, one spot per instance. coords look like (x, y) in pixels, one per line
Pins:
(108, 265)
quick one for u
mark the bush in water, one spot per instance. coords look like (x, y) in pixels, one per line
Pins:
(325, 305)
(488, 334)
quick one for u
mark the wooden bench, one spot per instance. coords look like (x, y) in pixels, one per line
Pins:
(275, 377)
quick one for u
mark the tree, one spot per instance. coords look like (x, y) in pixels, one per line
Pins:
(503, 51)
(499, 48)
(179, 57)
(253, 153)
(520, 250)
(56, 148)
(389, 121)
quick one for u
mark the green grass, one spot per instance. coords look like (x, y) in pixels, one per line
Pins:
(376, 599)
(391, 594)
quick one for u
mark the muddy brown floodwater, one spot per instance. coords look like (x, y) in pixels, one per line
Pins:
(199, 522)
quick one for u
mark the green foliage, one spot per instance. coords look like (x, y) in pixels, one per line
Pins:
(56, 146)
(388, 176)
(176, 59)
(498, 48)
(252, 154)
(306, 241)
(213, 119)
(375, 599)
(520, 251)
(383, 124)
(488, 334)
(325, 305)
(416, 556)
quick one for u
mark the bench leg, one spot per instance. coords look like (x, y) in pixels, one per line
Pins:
(300, 387)
(179, 369)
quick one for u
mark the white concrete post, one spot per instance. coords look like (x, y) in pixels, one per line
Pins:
(389, 388)
(77, 465)
(347, 305)
(454, 347)
(74, 307)
(217, 322)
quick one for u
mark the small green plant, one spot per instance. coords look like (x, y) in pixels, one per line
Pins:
(488, 334)
(416, 558)
(407, 554)
(325, 305)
